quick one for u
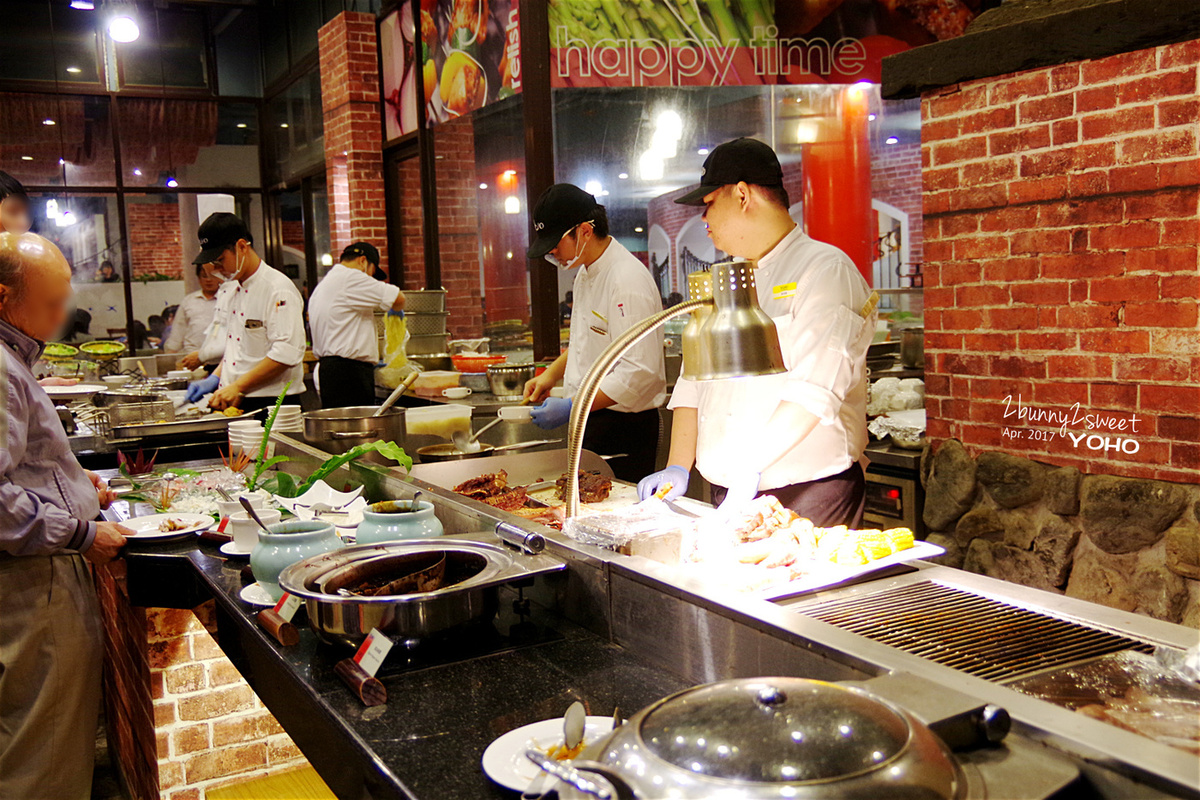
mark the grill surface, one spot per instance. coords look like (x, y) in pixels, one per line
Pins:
(977, 635)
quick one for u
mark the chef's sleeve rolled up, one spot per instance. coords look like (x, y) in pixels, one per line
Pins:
(285, 328)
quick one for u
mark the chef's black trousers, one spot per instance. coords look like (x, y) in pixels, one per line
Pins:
(345, 382)
(834, 500)
(632, 436)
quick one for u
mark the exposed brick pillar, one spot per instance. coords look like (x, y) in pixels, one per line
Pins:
(353, 141)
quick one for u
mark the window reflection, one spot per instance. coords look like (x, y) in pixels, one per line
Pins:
(50, 138)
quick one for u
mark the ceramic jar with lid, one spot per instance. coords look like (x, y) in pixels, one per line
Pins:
(286, 543)
(392, 521)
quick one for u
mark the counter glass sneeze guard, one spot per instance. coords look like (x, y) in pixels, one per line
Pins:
(736, 339)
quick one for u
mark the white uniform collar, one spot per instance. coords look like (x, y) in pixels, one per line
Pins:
(794, 236)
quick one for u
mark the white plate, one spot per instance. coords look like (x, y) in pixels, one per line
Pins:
(78, 390)
(145, 529)
(504, 760)
(256, 595)
(231, 549)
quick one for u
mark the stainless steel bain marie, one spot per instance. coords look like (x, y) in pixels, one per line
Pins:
(475, 571)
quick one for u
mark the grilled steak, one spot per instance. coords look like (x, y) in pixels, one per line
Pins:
(484, 486)
(593, 487)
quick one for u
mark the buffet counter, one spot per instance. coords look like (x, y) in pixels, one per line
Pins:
(615, 630)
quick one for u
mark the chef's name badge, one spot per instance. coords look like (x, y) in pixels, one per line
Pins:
(783, 290)
(253, 324)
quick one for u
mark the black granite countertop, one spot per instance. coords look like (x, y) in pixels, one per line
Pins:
(426, 742)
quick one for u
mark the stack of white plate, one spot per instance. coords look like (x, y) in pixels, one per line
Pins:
(246, 435)
(289, 420)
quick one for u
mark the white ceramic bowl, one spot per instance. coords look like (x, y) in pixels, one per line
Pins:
(456, 392)
(117, 380)
(516, 413)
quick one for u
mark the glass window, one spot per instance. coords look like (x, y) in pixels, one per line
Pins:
(44, 42)
(295, 129)
(304, 19)
(276, 62)
(321, 239)
(183, 143)
(172, 53)
(637, 149)
(238, 51)
(56, 140)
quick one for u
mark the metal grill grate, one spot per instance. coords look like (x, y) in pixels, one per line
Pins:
(982, 637)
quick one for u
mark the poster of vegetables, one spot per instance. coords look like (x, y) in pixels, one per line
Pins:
(740, 42)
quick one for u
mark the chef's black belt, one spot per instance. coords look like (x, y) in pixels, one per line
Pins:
(635, 435)
(346, 382)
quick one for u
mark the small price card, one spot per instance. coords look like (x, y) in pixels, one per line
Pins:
(287, 606)
(372, 652)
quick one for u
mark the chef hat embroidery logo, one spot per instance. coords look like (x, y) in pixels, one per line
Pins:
(537, 226)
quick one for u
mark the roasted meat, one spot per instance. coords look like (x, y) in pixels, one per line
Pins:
(593, 487)
(508, 501)
(484, 486)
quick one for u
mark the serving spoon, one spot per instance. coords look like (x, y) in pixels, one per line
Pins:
(470, 445)
(253, 514)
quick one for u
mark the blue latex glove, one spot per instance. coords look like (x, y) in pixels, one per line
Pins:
(743, 490)
(675, 475)
(553, 413)
(198, 389)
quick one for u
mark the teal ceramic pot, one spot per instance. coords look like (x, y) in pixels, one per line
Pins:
(392, 526)
(287, 543)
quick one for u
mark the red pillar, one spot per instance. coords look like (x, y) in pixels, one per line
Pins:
(837, 181)
(353, 137)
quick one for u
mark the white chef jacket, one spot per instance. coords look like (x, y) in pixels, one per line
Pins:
(256, 318)
(815, 295)
(192, 320)
(341, 313)
(611, 296)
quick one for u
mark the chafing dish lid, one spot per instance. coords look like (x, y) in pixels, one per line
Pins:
(783, 730)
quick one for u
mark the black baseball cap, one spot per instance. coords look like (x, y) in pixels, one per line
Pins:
(558, 210)
(218, 233)
(360, 249)
(742, 159)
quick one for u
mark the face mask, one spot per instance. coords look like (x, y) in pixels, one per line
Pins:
(553, 259)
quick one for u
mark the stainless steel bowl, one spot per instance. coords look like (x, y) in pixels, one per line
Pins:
(507, 381)
(775, 738)
(475, 570)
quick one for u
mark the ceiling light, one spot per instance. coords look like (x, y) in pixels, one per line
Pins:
(51, 208)
(703, 151)
(65, 219)
(172, 183)
(508, 255)
(510, 173)
(283, 124)
(624, 176)
(83, 5)
(638, 229)
(48, 121)
(62, 162)
(137, 172)
(512, 205)
(891, 140)
(74, 70)
(327, 260)
(650, 166)
(122, 28)
(871, 117)
(483, 186)
(241, 125)
(27, 158)
(670, 123)
(593, 187)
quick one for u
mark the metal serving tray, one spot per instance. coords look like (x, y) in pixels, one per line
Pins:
(214, 422)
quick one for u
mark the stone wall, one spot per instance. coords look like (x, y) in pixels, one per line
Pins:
(1128, 543)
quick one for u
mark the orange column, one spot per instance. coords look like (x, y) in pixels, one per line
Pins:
(837, 182)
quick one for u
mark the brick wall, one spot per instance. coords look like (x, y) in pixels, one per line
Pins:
(210, 728)
(353, 138)
(896, 180)
(458, 225)
(154, 239)
(293, 234)
(409, 221)
(1061, 238)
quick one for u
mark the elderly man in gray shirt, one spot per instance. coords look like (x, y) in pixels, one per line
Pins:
(50, 634)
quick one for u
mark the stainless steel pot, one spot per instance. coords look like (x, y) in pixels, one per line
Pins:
(474, 572)
(507, 381)
(774, 738)
(912, 348)
(337, 430)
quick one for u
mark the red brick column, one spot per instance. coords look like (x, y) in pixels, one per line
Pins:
(353, 140)
(1061, 262)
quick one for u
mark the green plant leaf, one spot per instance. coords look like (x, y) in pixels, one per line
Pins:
(281, 483)
(261, 464)
(386, 449)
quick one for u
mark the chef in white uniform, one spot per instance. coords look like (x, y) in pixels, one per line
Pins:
(799, 435)
(341, 313)
(257, 330)
(613, 291)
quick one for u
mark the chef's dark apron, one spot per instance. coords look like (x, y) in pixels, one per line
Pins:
(345, 382)
(834, 500)
(632, 436)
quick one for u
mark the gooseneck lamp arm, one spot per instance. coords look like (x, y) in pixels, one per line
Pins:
(590, 387)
